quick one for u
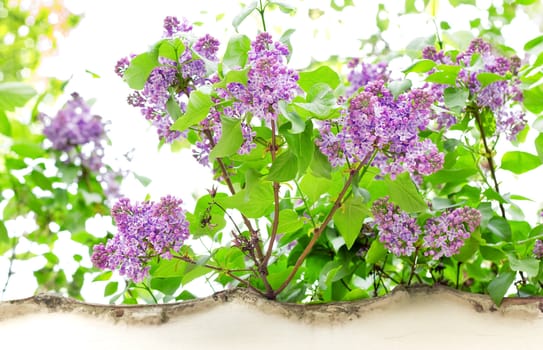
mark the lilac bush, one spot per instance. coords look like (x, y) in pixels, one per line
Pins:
(329, 183)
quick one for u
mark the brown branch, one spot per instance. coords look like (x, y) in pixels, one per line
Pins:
(275, 224)
(488, 154)
(320, 230)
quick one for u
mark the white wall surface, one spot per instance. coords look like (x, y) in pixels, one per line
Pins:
(420, 318)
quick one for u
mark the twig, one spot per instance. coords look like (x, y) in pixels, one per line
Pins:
(320, 230)
(488, 154)
(227, 272)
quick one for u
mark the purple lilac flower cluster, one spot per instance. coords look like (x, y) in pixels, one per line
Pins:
(145, 230)
(445, 234)
(77, 132)
(398, 231)
(501, 97)
(81, 136)
(361, 73)
(538, 249)
(172, 80)
(442, 236)
(376, 121)
(269, 81)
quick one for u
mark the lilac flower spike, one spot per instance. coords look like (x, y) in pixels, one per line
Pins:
(145, 230)
(375, 121)
(73, 127)
(446, 234)
(269, 81)
(398, 231)
(501, 97)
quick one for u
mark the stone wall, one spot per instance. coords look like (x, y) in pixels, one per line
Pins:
(417, 318)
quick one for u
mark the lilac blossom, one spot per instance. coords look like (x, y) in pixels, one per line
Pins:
(173, 26)
(171, 82)
(501, 97)
(121, 66)
(73, 125)
(207, 46)
(269, 81)
(538, 249)
(361, 73)
(446, 234)
(248, 139)
(376, 122)
(77, 132)
(145, 230)
(398, 231)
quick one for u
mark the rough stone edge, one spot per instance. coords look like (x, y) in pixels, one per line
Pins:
(335, 313)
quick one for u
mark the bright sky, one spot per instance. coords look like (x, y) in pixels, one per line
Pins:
(113, 29)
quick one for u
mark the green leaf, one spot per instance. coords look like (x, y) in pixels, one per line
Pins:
(486, 78)
(399, 87)
(5, 243)
(230, 258)
(444, 75)
(340, 5)
(455, 99)
(231, 139)
(314, 187)
(236, 53)
(169, 268)
(28, 150)
(320, 166)
(5, 125)
(519, 162)
(539, 146)
(323, 74)
(499, 286)
(528, 265)
(14, 95)
(139, 70)
(171, 48)
(491, 253)
(104, 276)
(254, 201)
(289, 221)
(197, 110)
(283, 6)
(236, 22)
(421, 66)
(535, 43)
(301, 145)
(355, 294)
(173, 108)
(168, 286)
(321, 102)
(193, 272)
(284, 168)
(469, 248)
(297, 123)
(349, 218)
(404, 193)
(42, 181)
(500, 227)
(145, 181)
(207, 218)
(455, 3)
(376, 252)
(111, 288)
(533, 98)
